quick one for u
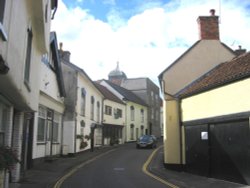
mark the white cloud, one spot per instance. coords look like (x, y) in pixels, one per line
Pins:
(148, 42)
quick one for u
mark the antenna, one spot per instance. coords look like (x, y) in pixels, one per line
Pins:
(220, 11)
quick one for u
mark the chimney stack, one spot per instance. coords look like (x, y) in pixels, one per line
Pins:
(64, 54)
(209, 26)
(240, 51)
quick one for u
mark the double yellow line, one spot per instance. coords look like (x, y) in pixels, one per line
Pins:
(144, 169)
(145, 166)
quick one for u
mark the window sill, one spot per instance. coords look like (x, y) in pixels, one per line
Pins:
(40, 143)
(3, 33)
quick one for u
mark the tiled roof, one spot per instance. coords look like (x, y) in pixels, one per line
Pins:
(236, 69)
(129, 95)
(108, 94)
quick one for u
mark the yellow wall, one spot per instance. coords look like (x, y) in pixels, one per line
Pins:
(171, 133)
(230, 99)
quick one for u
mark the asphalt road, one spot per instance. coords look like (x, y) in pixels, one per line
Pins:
(121, 168)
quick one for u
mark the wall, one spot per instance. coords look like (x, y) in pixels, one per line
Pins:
(205, 55)
(172, 155)
(230, 99)
(109, 119)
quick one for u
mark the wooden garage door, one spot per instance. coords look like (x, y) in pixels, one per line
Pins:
(197, 156)
(230, 151)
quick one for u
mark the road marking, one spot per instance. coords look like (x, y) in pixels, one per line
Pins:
(145, 166)
(119, 169)
(70, 173)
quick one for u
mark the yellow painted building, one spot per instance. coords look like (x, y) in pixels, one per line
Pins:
(203, 56)
(215, 113)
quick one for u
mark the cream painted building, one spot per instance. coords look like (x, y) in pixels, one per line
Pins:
(82, 128)
(114, 117)
(216, 120)
(135, 114)
(48, 120)
(24, 38)
(203, 56)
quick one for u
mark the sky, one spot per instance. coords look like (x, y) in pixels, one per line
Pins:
(144, 36)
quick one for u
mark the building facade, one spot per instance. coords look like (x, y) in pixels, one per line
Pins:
(82, 127)
(203, 56)
(114, 117)
(48, 119)
(135, 113)
(215, 119)
(24, 38)
(147, 91)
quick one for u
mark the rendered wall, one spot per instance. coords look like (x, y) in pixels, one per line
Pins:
(230, 99)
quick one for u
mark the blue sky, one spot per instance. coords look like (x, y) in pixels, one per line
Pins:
(126, 8)
(145, 36)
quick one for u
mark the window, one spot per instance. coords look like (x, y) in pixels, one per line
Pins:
(2, 6)
(132, 132)
(41, 124)
(108, 110)
(142, 130)
(28, 58)
(2, 32)
(98, 111)
(132, 113)
(56, 124)
(152, 97)
(83, 102)
(92, 108)
(48, 60)
(119, 113)
(3, 122)
(142, 115)
(152, 113)
(82, 127)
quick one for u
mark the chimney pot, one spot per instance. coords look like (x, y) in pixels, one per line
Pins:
(61, 46)
(212, 12)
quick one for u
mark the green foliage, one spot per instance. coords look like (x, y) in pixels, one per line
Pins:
(83, 144)
(8, 157)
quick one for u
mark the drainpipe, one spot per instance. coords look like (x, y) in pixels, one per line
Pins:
(102, 106)
(180, 124)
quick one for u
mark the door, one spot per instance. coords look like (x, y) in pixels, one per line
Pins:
(48, 147)
(229, 151)
(197, 149)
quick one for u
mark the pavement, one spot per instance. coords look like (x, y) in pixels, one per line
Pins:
(46, 174)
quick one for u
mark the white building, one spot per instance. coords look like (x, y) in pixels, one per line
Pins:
(24, 38)
(48, 120)
(83, 109)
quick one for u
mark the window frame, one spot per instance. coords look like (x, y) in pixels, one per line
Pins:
(92, 108)
(28, 58)
(108, 110)
(132, 113)
(83, 102)
(42, 114)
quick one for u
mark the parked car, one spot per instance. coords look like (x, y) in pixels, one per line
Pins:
(146, 141)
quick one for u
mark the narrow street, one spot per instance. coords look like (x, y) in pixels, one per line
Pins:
(121, 168)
